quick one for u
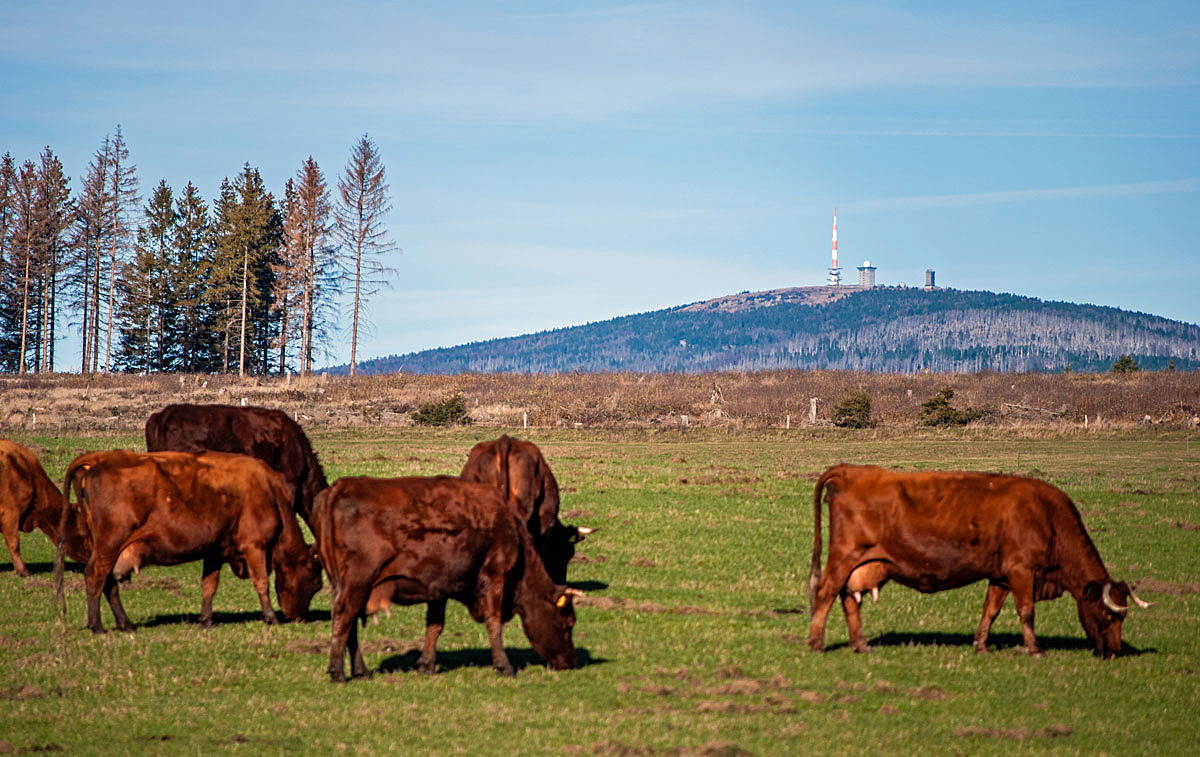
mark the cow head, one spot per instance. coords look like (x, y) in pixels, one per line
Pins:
(1102, 608)
(558, 547)
(296, 582)
(548, 626)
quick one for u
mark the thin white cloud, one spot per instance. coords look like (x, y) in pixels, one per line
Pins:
(1175, 186)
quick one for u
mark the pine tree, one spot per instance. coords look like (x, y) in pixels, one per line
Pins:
(364, 202)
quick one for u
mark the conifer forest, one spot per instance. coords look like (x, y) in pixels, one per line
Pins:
(160, 279)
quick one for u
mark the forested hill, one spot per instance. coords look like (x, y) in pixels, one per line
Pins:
(882, 330)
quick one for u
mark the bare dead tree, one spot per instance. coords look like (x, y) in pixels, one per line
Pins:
(363, 204)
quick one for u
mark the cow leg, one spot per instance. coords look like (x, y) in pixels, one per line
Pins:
(113, 594)
(97, 574)
(495, 631)
(345, 610)
(435, 621)
(209, 579)
(836, 573)
(852, 608)
(358, 667)
(256, 565)
(10, 525)
(996, 594)
(1022, 591)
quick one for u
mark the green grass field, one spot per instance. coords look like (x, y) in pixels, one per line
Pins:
(692, 634)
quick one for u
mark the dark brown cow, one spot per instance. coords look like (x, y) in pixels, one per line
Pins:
(524, 478)
(411, 540)
(167, 508)
(29, 500)
(942, 530)
(269, 435)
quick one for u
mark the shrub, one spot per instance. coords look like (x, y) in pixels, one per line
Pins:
(854, 411)
(937, 411)
(447, 412)
(1125, 364)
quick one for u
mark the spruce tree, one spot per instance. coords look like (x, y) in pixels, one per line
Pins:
(88, 276)
(248, 230)
(197, 336)
(9, 313)
(122, 198)
(148, 287)
(55, 212)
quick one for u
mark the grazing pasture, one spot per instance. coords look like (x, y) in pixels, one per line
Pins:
(691, 637)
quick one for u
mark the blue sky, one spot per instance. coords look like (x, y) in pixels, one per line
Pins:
(557, 163)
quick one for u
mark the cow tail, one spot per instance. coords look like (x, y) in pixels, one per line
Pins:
(60, 598)
(503, 449)
(814, 571)
(323, 533)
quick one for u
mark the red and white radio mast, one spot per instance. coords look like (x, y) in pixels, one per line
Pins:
(835, 273)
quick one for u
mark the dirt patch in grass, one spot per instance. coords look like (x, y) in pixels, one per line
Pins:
(619, 749)
(7, 747)
(369, 646)
(1015, 734)
(611, 603)
(28, 691)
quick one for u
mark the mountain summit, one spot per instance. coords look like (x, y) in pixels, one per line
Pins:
(885, 329)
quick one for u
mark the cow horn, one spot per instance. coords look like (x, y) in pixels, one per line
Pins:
(1139, 601)
(1108, 600)
(573, 592)
(585, 530)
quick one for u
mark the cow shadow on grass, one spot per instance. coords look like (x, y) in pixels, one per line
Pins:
(588, 585)
(43, 568)
(480, 657)
(193, 619)
(997, 642)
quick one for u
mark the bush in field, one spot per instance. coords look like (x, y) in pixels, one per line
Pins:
(1125, 364)
(937, 411)
(854, 410)
(444, 413)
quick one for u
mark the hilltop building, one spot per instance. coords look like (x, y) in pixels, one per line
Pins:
(929, 285)
(866, 275)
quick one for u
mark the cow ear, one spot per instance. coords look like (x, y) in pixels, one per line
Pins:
(567, 596)
(581, 532)
(1093, 590)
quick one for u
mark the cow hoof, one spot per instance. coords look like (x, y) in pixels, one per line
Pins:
(861, 648)
(507, 671)
(24, 572)
(428, 668)
(1036, 653)
(338, 677)
(816, 646)
(126, 629)
(206, 622)
(97, 629)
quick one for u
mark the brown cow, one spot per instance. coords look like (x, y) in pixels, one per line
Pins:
(411, 540)
(167, 508)
(29, 500)
(942, 530)
(524, 477)
(269, 435)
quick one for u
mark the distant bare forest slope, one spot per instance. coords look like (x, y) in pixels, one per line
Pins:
(891, 330)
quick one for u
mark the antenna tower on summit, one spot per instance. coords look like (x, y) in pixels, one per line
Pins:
(835, 273)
